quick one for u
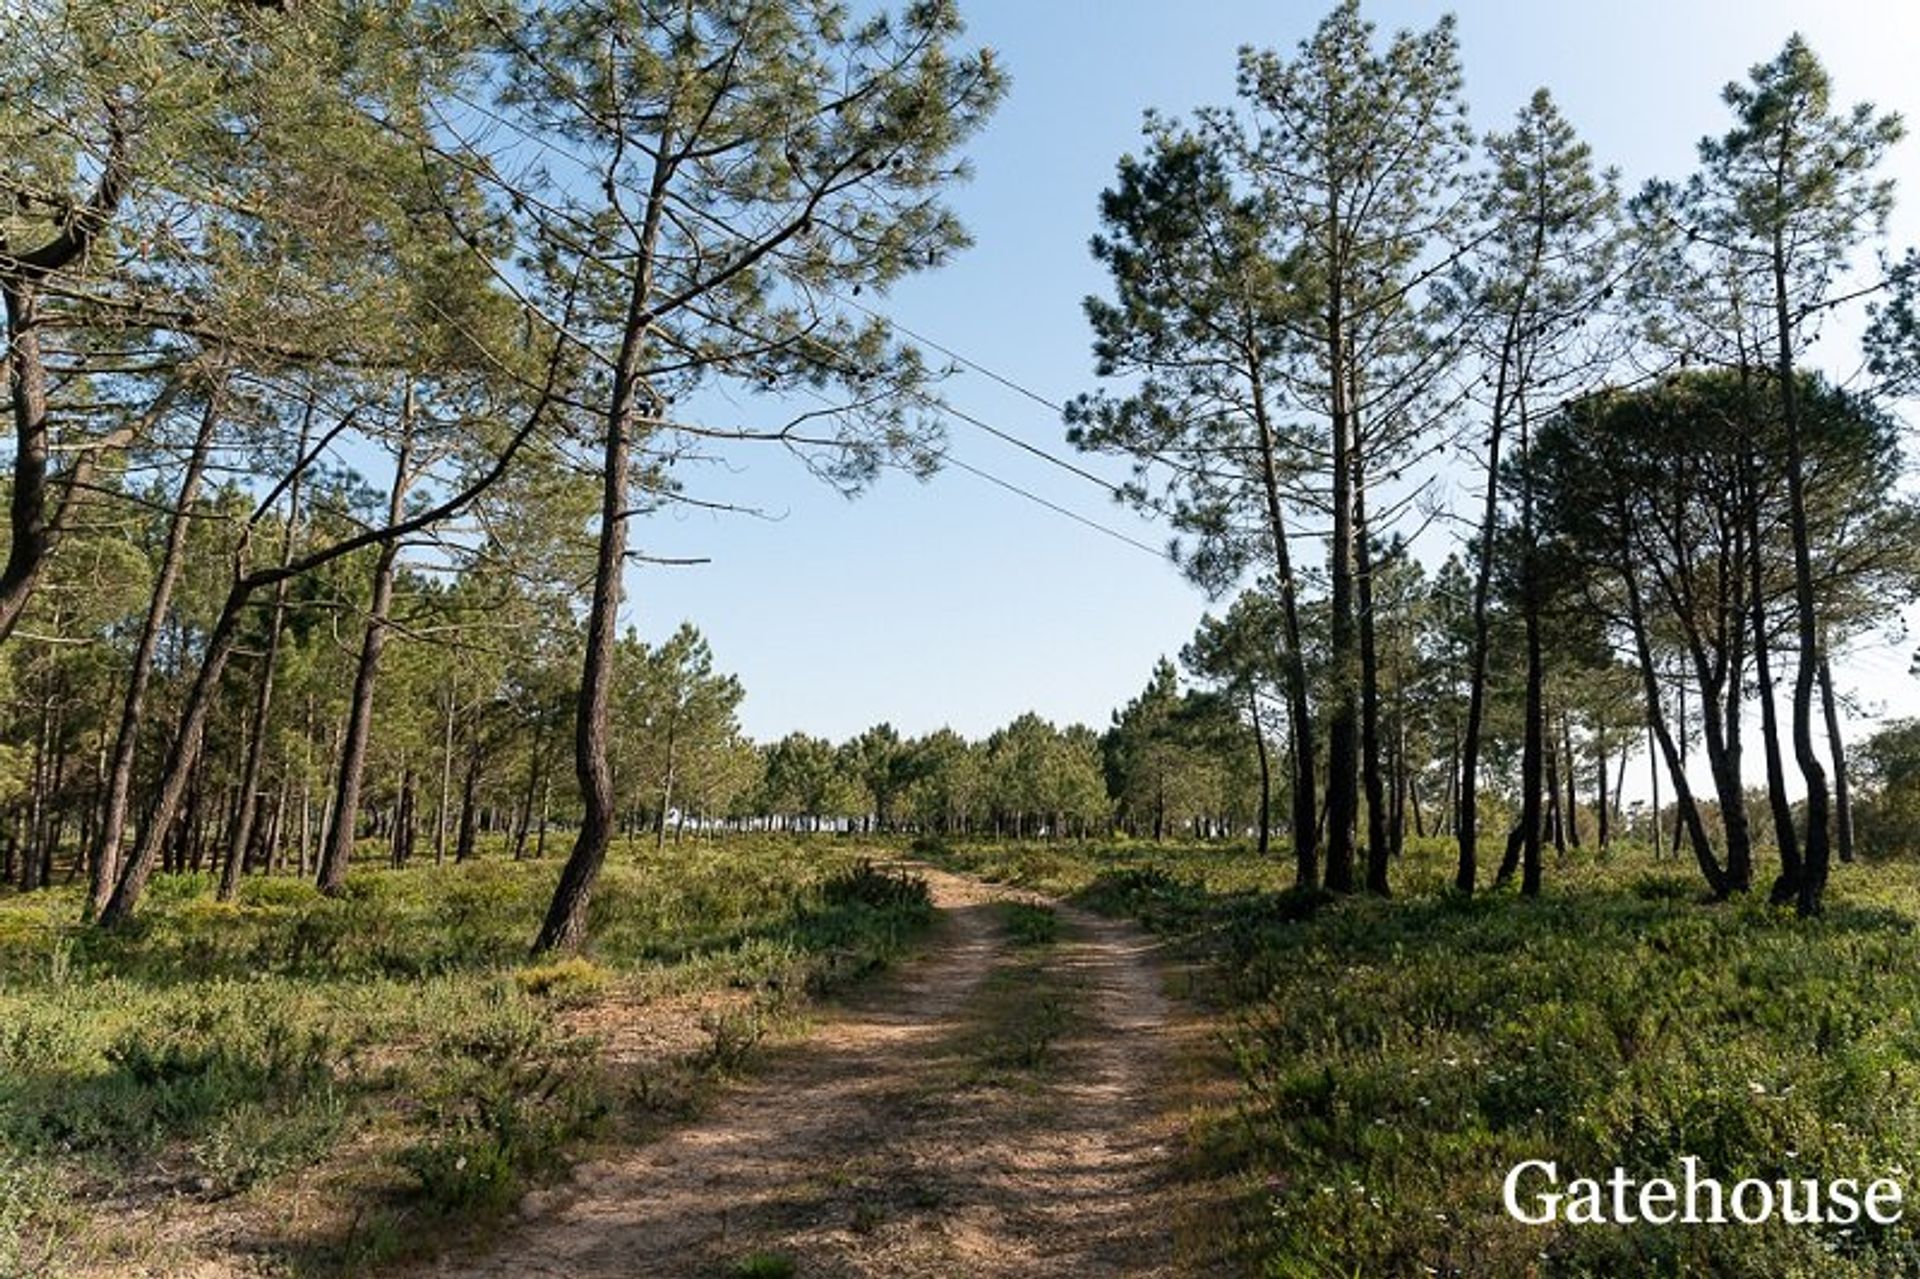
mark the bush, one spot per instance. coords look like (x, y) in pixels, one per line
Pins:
(878, 889)
(565, 983)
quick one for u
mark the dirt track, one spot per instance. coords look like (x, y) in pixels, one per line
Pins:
(990, 1110)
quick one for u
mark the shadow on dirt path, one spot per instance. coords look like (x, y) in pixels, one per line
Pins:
(997, 1108)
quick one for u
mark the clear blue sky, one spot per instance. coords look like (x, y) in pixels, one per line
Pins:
(955, 603)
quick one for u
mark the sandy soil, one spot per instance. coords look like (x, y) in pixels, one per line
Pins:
(902, 1138)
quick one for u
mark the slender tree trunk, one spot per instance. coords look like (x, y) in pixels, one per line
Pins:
(306, 793)
(1397, 802)
(440, 821)
(666, 788)
(37, 796)
(105, 857)
(32, 532)
(403, 820)
(1619, 789)
(1836, 751)
(1556, 816)
(1266, 772)
(1653, 771)
(1723, 760)
(182, 761)
(1343, 800)
(1455, 819)
(523, 826)
(353, 749)
(1533, 743)
(1305, 811)
(1467, 823)
(277, 824)
(1710, 867)
(1813, 877)
(1570, 814)
(263, 689)
(546, 804)
(1602, 815)
(1786, 886)
(468, 786)
(1379, 842)
(565, 926)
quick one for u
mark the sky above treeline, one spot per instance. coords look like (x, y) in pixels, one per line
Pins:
(956, 602)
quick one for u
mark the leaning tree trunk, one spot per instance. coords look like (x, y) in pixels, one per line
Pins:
(113, 818)
(182, 761)
(565, 926)
(1688, 812)
(353, 749)
(566, 923)
(1837, 752)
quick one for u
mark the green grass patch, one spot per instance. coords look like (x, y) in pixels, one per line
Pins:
(215, 1050)
(1030, 925)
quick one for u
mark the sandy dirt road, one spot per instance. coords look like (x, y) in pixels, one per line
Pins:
(991, 1109)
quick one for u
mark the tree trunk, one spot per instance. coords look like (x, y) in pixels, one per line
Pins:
(1570, 814)
(468, 785)
(353, 750)
(666, 785)
(1379, 843)
(1813, 876)
(403, 821)
(1787, 885)
(1266, 773)
(243, 821)
(105, 857)
(1305, 812)
(1836, 751)
(523, 825)
(1467, 824)
(565, 926)
(1556, 816)
(1602, 815)
(182, 761)
(1657, 723)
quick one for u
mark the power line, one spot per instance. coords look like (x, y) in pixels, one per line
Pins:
(1075, 516)
(1052, 405)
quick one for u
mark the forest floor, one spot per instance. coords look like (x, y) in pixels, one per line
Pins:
(291, 1085)
(1009, 1103)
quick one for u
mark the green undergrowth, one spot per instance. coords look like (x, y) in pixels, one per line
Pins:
(1396, 1058)
(395, 1047)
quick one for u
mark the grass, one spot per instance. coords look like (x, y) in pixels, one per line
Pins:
(1023, 1007)
(764, 1265)
(1395, 1058)
(389, 1067)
